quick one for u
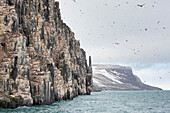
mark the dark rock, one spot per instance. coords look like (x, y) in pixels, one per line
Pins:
(14, 73)
(14, 25)
(10, 2)
(7, 101)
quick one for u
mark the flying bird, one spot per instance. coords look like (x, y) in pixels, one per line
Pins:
(117, 43)
(140, 5)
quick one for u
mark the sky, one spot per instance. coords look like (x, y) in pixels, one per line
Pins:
(124, 32)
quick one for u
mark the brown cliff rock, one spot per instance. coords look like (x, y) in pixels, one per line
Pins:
(40, 61)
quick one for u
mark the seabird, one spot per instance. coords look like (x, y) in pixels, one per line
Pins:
(140, 5)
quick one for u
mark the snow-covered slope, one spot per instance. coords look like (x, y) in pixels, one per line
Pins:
(115, 77)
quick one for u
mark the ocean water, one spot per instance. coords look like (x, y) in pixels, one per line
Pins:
(107, 102)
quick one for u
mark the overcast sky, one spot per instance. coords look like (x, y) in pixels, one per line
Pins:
(125, 32)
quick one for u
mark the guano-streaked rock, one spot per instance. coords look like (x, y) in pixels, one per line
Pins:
(40, 61)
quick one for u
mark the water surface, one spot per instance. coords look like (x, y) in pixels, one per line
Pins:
(107, 102)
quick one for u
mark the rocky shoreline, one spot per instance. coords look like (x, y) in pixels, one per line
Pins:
(41, 61)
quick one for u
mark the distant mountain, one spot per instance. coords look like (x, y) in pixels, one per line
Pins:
(115, 77)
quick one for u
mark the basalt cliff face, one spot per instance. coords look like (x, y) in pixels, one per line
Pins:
(40, 59)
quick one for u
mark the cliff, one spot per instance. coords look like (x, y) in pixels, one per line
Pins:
(40, 59)
(115, 77)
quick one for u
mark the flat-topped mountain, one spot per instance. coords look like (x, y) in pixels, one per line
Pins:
(115, 77)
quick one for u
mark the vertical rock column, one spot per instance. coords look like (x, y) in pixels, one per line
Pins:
(89, 76)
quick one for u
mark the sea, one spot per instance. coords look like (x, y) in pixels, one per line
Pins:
(106, 102)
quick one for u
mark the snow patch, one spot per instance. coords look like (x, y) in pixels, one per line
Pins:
(105, 73)
(95, 81)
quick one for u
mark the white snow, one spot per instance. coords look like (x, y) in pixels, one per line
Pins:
(115, 72)
(95, 81)
(105, 73)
